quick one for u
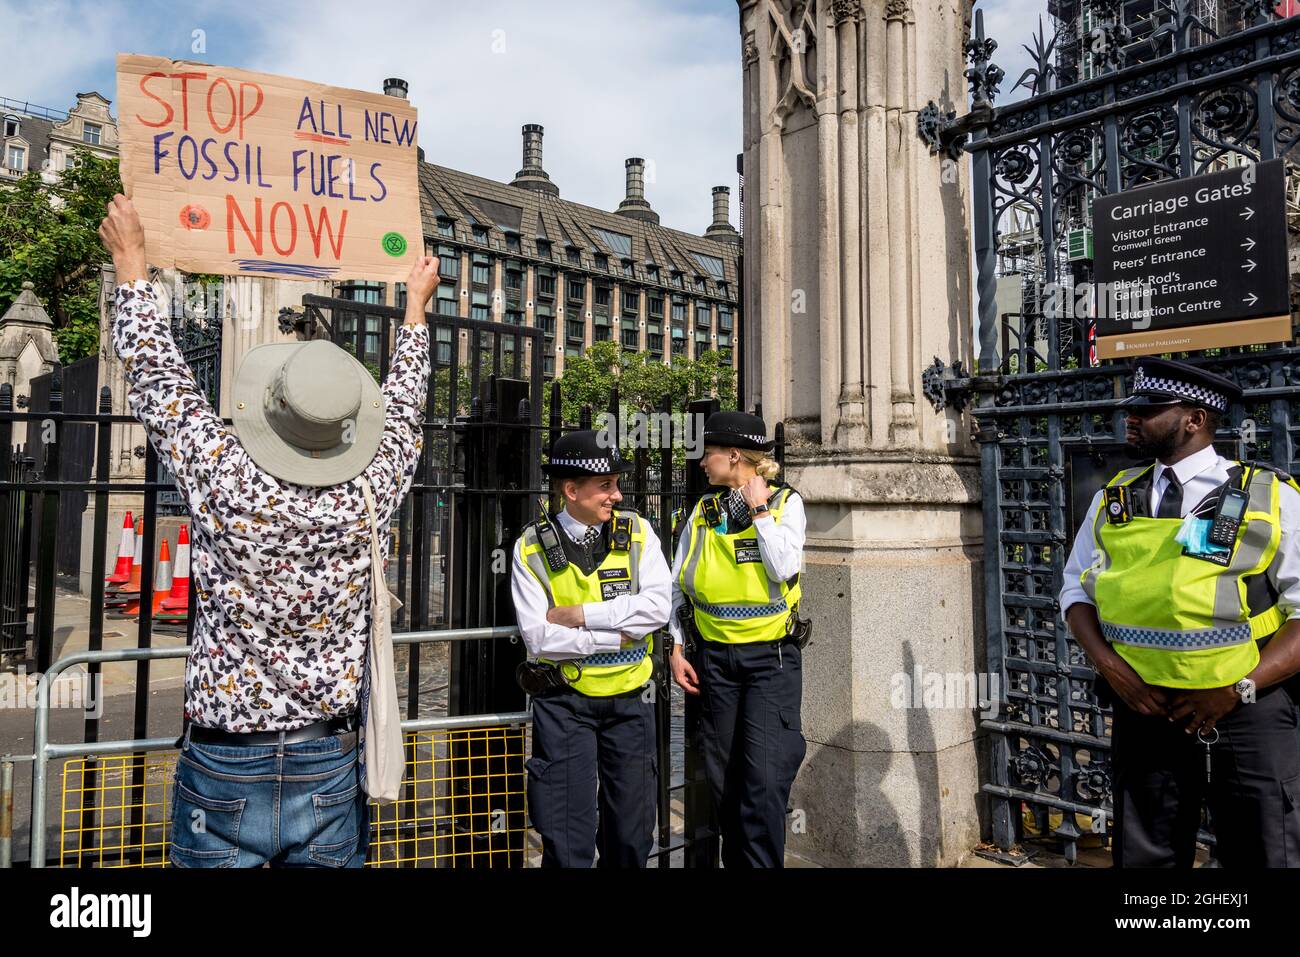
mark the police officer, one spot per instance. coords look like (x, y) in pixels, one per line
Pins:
(736, 575)
(590, 585)
(1183, 587)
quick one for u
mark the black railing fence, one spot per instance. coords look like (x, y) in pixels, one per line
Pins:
(477, 483)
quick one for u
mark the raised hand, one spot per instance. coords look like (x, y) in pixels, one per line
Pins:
(422, 281)
(123, 237)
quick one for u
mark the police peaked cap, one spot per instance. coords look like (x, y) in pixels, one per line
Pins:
(580, 454)
(737, 430)
(1164, 382)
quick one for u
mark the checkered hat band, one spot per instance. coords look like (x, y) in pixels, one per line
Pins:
(1186, 390)
(591, 465)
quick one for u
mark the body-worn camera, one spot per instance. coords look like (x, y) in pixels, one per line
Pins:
(1117, 505)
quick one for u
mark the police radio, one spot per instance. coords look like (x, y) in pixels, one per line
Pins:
(550, 541)
(1117, 505)
(1227, 517)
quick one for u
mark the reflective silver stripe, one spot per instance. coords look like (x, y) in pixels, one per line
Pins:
(1100, 557)
(537, 563)
(697, 532)
(634, 558)
(774, 587)
(1251, 548)
(1235, 634)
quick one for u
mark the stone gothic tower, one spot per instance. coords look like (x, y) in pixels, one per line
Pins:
(857, 275)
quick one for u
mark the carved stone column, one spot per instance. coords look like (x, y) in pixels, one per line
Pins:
(857, 273)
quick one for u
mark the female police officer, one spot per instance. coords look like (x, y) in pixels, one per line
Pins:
(736, 584)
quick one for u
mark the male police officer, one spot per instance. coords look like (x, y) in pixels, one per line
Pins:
(1183, 587)
(589, 588)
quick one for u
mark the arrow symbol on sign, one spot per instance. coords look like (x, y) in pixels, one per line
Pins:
(1249, 244)
(1249, 265)
(1251, 299)
(1248, 213)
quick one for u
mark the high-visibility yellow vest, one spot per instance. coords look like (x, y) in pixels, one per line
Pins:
(1185, 622)
(733, 599)
(604, 673)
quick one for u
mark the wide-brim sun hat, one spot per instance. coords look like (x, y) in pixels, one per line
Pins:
(307, 412)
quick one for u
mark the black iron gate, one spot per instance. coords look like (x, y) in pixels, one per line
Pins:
(1046, 418)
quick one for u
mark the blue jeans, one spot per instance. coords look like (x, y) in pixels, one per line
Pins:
(293, 805)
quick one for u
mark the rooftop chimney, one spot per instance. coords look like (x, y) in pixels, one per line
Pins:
(721, 228)
(634, 205)
(396, 87)
(532, 176)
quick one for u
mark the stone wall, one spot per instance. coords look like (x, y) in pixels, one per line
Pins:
(857, 275)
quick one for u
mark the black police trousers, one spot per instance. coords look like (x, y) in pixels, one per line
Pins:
(753, 744)
(1253, 792)
(592, 780)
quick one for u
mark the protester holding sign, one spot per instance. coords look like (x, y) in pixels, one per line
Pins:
(243, 173)
(268, 769)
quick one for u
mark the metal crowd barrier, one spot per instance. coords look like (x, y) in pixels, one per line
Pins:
(504, 736)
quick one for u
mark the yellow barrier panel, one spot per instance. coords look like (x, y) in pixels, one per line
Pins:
(463, 805)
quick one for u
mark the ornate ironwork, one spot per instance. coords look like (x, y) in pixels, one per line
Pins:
(1047, 422)
(1108, 39)
(984, 76)
(1041, 74)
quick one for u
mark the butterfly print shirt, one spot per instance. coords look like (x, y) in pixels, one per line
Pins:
(280, 572)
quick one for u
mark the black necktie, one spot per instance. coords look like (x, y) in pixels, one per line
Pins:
(1171, 503)
(590, 537)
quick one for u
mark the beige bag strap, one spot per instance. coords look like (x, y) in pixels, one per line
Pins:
(382, 752)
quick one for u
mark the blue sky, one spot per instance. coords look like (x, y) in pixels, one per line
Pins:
(608, 79)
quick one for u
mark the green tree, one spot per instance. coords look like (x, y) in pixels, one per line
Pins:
(49, 235)
(643, 381)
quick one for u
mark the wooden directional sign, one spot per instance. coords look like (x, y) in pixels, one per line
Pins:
(1196, 263)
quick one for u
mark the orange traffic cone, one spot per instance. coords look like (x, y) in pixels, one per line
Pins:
(118, 598)
(125, 552)
(176, 605)
(162, 583)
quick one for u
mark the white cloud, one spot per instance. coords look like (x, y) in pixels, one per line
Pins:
(608, 79)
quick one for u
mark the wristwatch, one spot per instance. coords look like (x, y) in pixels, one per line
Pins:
(759, 509)
(1245, 689)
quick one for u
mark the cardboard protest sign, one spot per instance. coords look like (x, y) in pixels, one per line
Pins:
(242, 173)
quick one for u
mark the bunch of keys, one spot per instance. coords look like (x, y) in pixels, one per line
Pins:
(1207, 742)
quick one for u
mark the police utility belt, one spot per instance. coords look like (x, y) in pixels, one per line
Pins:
(537, 678)
(797, 630)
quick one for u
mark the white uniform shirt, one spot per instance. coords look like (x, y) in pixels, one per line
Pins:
(1200, 474)
(780, 544)
(607, 621)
